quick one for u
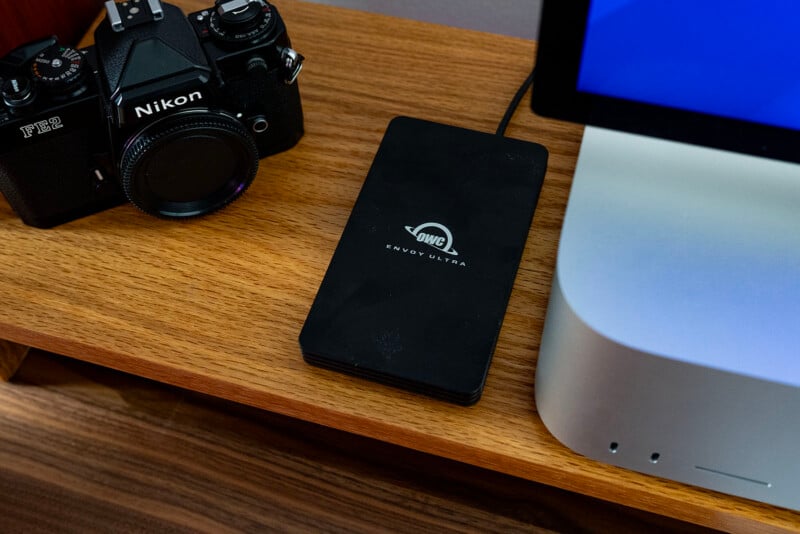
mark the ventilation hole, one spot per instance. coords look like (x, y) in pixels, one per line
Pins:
(654, 458)
(612, 448)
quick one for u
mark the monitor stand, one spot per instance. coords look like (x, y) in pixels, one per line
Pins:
(672, 339)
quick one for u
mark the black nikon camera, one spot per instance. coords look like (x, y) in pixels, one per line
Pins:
(167, 111)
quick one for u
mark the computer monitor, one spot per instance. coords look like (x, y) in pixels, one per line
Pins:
(672, 339)
(724, 74)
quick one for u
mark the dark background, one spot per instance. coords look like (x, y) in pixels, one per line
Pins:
(25, 21)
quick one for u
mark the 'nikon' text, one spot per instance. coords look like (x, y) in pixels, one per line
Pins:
(163, 104)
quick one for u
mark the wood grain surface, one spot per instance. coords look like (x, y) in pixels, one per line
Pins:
(87, 449)
(216, 304)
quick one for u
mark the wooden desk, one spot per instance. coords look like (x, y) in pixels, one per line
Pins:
(215, 305)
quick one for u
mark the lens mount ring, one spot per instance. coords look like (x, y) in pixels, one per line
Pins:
(188, 164)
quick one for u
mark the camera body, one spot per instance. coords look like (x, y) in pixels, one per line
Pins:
(167, 111)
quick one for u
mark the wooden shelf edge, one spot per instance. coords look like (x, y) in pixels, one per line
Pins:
(737, 515)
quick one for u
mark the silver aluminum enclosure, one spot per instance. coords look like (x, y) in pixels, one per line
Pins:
(672, 339)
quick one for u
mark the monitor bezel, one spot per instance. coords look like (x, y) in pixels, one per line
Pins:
(561, 36)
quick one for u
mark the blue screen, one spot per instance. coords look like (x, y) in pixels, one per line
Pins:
(734, 58)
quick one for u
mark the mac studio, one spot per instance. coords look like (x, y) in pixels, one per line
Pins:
(672, 339)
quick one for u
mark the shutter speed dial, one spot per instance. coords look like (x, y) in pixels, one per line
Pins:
(60, 70)
(237, 21)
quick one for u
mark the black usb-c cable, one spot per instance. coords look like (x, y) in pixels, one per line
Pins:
(514, 104)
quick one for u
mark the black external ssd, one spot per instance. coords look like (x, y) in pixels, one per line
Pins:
(417, 288)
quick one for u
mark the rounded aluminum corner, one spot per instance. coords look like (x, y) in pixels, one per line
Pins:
(616, 382)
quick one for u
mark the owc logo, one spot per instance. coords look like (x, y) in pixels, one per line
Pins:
(435, 235)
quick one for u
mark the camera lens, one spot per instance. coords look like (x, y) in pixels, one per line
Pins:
(188, 164)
